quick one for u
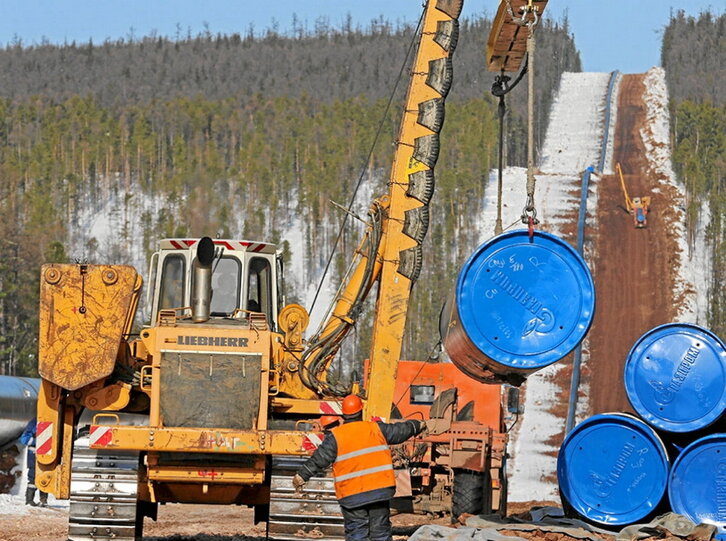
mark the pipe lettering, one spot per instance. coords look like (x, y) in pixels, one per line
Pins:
(544, 319)
(604, 485)
(664, 394)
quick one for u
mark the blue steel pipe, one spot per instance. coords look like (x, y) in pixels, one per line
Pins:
(608, 111)
(498, 325)
(577, 358)
(18, 399)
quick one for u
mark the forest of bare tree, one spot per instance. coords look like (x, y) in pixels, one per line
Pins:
(693, 54)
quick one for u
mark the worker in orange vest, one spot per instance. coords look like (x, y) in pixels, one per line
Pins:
(362, 468)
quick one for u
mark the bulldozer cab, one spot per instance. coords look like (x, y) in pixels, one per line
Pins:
(245, 279)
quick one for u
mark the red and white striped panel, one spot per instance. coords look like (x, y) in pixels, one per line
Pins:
(255, 246)
(330, 407)
(100, 436)
(312, 441)
(43, 437)
(177, 244)
(239, 245)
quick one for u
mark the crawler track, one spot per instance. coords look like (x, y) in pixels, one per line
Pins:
(103, 494)
(312, 514)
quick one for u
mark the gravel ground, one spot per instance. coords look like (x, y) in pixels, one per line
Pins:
(179, 522)
(176, 522)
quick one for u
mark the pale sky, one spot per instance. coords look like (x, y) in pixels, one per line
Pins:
(610, 34)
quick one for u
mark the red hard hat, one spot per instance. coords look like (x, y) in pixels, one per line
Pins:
(352, 404)
(329, 420)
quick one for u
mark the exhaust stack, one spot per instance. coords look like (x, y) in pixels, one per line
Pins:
(202, 280)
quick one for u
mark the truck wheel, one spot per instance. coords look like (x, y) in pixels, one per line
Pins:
(468, 493)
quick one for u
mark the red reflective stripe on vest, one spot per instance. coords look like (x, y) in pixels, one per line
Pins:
(364, 459)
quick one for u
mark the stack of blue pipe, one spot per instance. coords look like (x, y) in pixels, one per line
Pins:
(618, 469)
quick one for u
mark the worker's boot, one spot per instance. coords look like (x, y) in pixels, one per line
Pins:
(30, 496)
(43, 496)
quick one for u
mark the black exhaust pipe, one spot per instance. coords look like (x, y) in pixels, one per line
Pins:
(202, 288)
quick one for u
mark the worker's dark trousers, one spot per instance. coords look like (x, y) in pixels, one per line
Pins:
(372, 521)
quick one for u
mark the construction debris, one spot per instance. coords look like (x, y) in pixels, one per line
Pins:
(549, 524)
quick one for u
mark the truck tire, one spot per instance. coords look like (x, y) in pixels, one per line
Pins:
(468, 494)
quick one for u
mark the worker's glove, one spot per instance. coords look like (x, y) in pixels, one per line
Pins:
(434, 427)
(298, 482)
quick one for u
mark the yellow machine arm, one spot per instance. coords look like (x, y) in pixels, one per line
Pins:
(86, 311)
(411, 188)
(365, 271)
(391, 249)
(628, 201)
(637, 206)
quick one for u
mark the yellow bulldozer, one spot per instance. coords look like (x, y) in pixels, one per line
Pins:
(637, 207)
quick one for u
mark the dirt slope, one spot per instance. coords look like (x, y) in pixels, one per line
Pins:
(634, 269)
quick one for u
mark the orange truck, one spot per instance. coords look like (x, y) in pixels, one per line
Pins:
(463, 470)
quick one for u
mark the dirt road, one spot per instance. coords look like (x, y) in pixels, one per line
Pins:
(634, 268)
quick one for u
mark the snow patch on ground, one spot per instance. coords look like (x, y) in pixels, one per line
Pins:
(15, 505)
(573, 143)
(583, 398)
(692, 284)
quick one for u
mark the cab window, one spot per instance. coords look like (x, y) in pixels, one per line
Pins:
(151, 287)
(226, 286)
(171, 294)
(422, 394)
(259, 286)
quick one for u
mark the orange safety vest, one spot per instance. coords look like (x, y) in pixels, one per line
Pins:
(364, 460)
